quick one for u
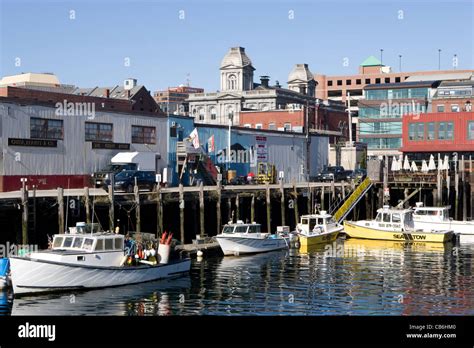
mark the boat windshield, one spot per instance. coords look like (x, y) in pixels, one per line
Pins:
(241, 229)
(228, 229)
(254, 229)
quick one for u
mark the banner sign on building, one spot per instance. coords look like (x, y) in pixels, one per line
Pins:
(261, 147)
(110, 146)
(32, 142)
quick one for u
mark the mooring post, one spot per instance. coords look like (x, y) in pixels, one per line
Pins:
(229, 209)
(464, 189)
(252, 209)
(201, 210)
(61, 209)
(471, 196)
(456, 189)
(267, 189)
(237, 207)
(295, 193)
(218, 206)
(308, 200)
(111, 208)
(181, 212)
(282, 202)
(367, 209)
(87, 204)
(24, 220)
(344, 190)
(322, 197)
(34, 214)
(439, 183)
(137, 208)
(159, 211)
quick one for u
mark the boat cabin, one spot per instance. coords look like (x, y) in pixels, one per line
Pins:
(309, 222)
(394, 218)
(431, 214)
(241, 227)
(87, 238)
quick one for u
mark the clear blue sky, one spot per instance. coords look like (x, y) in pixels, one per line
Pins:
(90, 50)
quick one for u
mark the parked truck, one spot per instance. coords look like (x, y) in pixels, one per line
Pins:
(143, 161)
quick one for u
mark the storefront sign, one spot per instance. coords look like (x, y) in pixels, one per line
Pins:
(110, 146)
(32, 142)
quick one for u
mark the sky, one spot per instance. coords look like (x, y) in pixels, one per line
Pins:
(166, 43)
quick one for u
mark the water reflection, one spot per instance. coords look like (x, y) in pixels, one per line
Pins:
(350, 277)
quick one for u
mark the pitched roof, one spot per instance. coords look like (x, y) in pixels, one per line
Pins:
(117, 92)
(371, 61)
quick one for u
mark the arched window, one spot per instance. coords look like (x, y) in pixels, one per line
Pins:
(201, 114)
(213, 114)
(232, 82)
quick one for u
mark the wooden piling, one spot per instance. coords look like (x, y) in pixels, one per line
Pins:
(61, 209)
(322, 198)
(237, 207)
(439, 184)
(295, 193)
(267, 189)
(201, 210)
(137, 208)
(34, 214)
(87, 204)
(159, 211)
(218, 207)
(282, 202)
(464, 189)
(24, 220)
(111, 209)
(181, 213)
(252, 209)
(456, 191)
(229, 209)
(308, 200)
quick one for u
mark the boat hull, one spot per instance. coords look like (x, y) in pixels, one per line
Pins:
(242, 245)
(37, 276)
(327, 237)
(355, 230)
(459, 227)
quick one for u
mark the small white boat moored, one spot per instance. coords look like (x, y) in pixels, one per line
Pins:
(85, 261)
(241, 238)
(438, 218)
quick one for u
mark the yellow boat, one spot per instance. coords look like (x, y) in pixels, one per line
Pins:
(395, 225)
(317, 229)
(377, 245)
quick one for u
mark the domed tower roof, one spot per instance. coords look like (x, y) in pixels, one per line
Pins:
(236, 57)
(300, 72)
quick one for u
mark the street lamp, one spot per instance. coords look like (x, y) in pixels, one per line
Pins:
(231, 117)
(381, 56)
(400, 62)
(439, 58)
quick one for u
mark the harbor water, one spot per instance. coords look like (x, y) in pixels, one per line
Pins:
(349, 277)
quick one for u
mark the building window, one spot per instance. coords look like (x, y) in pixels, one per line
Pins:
(348, 82)
(232, 82)
(143, 135)
(287, 127)
(430, 134)
(367, 81)
(272, 126)
(411, 131)
(387, 80)
(449, 131)
(201, 114)
(213, 114)
(330, 83)
(470, 130)
(377, 80)
(358, 81)
(258, 126)
(247, 125)
(43, 128)
(440, 108)
(397, 79)
(420, 134)
(339, 82)
(441, 131)
(98, 131)
(455, 108)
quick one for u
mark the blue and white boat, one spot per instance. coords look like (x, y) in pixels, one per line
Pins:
(4, 273)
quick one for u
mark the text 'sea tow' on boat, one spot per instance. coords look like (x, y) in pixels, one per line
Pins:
(394, 224)
(87, 259)
(241, 238)
(317, 229)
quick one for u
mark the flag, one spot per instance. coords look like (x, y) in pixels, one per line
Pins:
(210, 144)
(194, 136)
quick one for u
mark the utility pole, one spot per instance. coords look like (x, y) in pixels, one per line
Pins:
(349, 117)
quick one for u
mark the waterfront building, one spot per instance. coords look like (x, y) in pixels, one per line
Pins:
(58, 139)
(238, 92)
(438, 132)
(454, 96)
(382, 110)
(173, 101)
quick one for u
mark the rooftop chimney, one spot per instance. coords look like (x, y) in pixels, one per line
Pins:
(264, 80)
(129, 83)
(107, 93)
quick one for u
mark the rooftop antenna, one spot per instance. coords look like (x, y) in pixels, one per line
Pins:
(187, 79)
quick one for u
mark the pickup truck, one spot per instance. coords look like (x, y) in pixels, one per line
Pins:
(336, 173)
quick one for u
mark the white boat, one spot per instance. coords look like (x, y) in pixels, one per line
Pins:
(317, 229)
(240, 238)
(438, 218)
(4, 273)
(85, 261)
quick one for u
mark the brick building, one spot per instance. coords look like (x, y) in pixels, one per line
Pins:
(173, 100)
